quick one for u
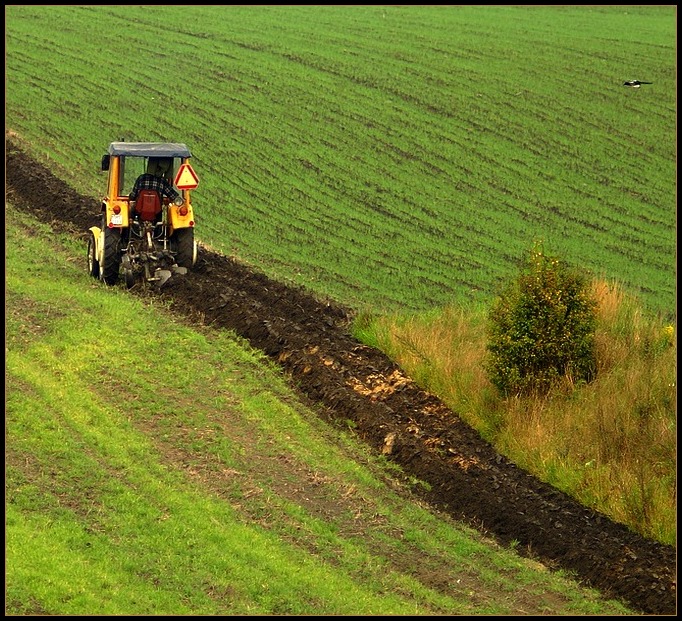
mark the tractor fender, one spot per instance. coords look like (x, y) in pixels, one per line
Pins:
(99, 245)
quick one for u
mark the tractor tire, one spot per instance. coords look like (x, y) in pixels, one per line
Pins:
(185, 248)
(109, 271)
(93, 263)
(129, 278)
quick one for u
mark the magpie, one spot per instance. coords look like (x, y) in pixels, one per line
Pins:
(635, 83)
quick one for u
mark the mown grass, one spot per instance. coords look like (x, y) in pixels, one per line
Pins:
(400, 157)
(156, 468)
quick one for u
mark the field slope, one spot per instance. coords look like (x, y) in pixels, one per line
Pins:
(397, 157)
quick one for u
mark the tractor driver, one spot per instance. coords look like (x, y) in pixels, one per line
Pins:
(156, 178)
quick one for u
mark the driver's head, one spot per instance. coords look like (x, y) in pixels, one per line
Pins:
(153, 166)
(160, 166)
(165, 165)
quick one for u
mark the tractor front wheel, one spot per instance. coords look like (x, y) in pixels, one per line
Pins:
(93, 263)
(129, 276)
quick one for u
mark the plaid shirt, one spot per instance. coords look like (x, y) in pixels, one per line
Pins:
(152, 182)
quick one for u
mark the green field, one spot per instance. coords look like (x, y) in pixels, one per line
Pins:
(395, 157)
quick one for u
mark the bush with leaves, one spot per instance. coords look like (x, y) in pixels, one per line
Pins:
(541, 329)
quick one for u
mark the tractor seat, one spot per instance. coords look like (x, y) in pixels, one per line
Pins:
(148, 205)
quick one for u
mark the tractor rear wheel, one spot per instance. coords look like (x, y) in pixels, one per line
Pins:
(109, 270)
(93, 263)
(185, 248)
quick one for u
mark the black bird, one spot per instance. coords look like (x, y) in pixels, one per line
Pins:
(635, 83)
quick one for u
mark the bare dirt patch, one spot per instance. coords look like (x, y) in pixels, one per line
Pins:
(310, 339)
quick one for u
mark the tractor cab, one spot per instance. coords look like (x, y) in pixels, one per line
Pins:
(126, 161)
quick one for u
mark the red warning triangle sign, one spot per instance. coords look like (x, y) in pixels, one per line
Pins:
(186, 179)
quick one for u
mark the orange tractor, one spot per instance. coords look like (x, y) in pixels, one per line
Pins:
(149, 239)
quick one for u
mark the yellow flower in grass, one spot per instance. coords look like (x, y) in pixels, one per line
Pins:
(668, 335)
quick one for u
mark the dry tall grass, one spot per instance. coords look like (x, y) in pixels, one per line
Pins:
(611, 444)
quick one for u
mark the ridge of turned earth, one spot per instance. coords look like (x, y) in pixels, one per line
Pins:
(310, 340)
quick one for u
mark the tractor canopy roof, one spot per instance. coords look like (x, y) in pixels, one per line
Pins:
(149, 149)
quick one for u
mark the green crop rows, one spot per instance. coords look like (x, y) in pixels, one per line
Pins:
(396, 156)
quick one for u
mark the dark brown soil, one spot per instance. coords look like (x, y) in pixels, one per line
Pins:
(310, 339)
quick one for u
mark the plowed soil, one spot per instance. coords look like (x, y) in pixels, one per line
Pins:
(310, 339)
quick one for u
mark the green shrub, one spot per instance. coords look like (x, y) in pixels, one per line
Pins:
(541, 329)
